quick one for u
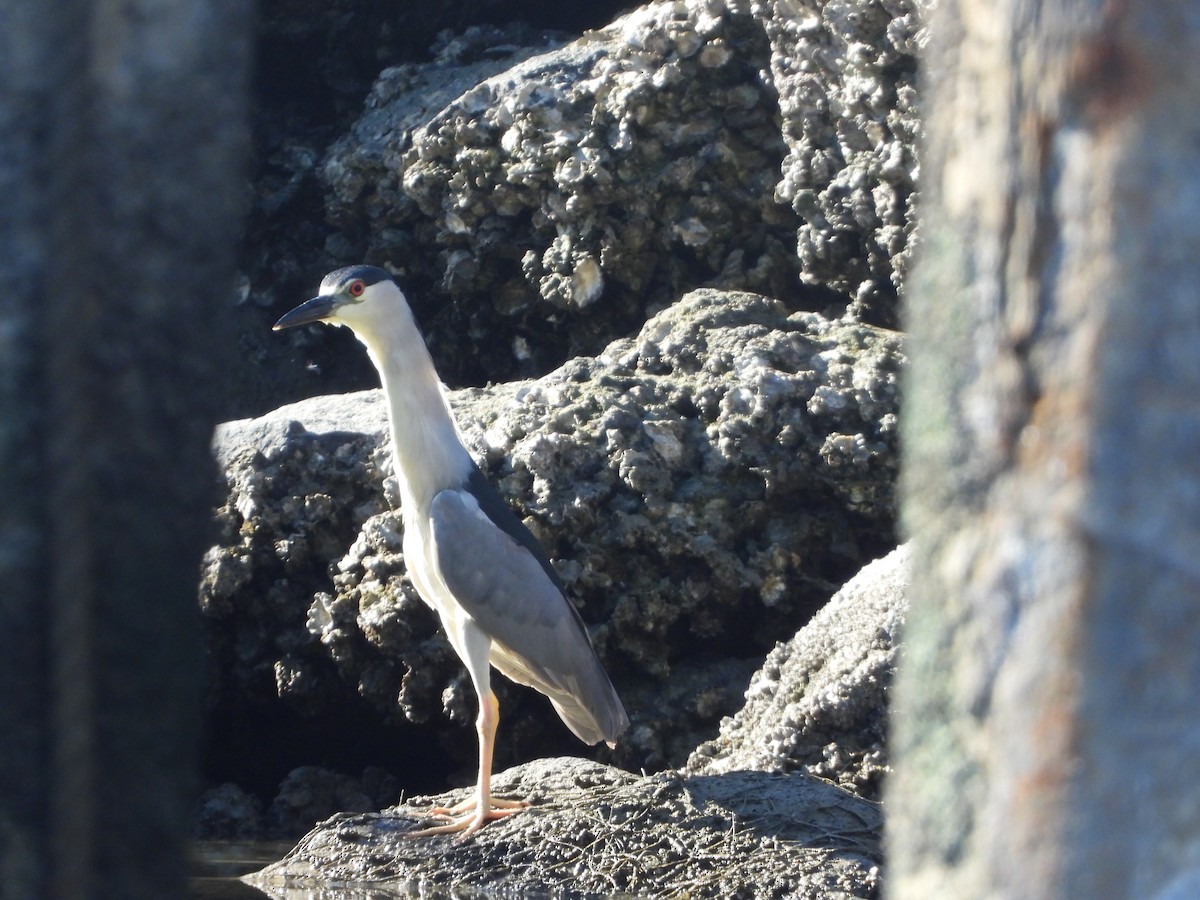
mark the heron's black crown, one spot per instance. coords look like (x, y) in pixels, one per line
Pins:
(338, 278)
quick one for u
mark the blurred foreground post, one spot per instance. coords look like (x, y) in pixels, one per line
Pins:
(1047, 713)
(122, 133)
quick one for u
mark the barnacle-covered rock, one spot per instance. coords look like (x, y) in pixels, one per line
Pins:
(316, 65)
(683, 480)
(577, 191)
(297, 498)
(542, 199)
(846, 74)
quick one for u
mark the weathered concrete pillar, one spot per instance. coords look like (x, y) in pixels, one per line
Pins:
(122, 135)
(1047, 712)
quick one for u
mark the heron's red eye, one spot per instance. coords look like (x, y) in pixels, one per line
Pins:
(356, 288)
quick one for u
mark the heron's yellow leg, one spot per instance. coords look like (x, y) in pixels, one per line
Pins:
(469, 816)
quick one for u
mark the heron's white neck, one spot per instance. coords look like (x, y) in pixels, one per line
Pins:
(426, 447)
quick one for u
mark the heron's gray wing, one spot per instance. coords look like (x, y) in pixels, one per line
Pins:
(512, 594)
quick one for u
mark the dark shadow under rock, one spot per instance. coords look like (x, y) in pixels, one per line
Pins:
(597, 831)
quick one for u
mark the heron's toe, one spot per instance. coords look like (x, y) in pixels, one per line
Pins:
(497, 805)
(466, 818)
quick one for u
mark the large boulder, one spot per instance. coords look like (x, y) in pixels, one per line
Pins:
(595, 831)
(703, 487)
(577, 191)
(819, 702)
(542, 198)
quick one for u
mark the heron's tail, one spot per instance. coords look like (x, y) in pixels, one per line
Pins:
(583, 697)
(592, 710)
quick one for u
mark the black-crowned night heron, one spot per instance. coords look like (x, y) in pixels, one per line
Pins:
(472, 560)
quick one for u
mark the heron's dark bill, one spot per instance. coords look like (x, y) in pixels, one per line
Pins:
(309, 311)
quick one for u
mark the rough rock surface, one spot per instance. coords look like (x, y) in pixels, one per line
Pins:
(307, 794)
(704, 487)
(846, 74)
(315, 75)
(819, 703)
(597, 831)
(576, 190)
(539, 208)
(227, 812)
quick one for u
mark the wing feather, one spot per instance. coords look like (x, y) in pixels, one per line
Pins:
(503, 581)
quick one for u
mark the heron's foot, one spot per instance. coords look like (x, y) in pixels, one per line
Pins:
(466, 818)
(498, 805)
